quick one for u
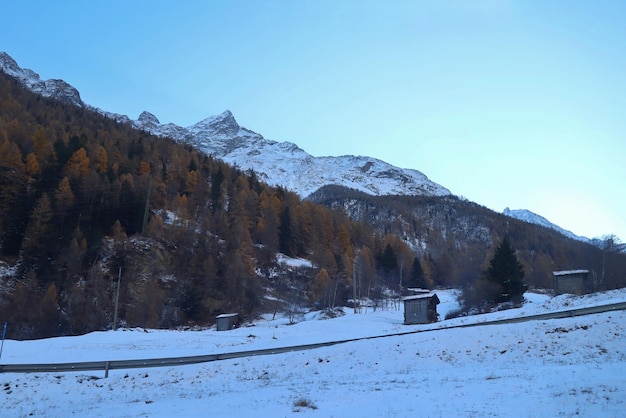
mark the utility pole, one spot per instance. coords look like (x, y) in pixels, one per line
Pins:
(117, 298)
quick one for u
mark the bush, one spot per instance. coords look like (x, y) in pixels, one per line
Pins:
(480, 297)
(303, 403)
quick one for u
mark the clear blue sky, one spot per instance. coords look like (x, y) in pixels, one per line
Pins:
(507, 103)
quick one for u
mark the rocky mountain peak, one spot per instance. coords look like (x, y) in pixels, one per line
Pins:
(8, 64)
(278, 163)
(223, 125)
(527, 216)
(54, 88)
(147, 118)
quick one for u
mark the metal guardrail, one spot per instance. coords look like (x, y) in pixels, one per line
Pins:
(180, 361)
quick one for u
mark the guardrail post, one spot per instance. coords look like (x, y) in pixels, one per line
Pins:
(4, 334)
(106, 369)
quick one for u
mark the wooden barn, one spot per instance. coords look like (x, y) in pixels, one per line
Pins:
(570, 281)
(226, 322)
(420, 308)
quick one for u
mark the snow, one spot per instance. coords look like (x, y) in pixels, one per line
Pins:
(569, 272)
(564, 367)
(227, 315)
(531, 217)
(420, 296)
(285, 164)
(295, 262)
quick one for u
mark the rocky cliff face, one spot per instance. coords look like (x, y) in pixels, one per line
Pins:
(56, 89)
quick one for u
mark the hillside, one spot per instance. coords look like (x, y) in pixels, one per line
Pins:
(530, 217)
(86, 200)
(90, 201)
(456, 372)
(454, 238)
(281, 164)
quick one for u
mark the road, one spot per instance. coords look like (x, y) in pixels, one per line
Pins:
(180, 361)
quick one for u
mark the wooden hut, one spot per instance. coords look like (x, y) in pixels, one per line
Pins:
(226, 322)
(570, 281)
(420, 308)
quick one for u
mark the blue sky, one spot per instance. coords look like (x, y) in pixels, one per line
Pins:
(507, 103)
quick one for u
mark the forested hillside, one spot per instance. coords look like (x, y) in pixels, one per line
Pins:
(89, 206)
(85, 200)
(454, 238)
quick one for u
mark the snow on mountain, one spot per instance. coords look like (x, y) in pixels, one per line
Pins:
(57, 89)
(530, 217)
(285, 164)
(276, 163)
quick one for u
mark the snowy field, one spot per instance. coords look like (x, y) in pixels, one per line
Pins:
(552, 368)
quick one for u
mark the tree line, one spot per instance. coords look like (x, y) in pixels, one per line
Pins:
(454, 239)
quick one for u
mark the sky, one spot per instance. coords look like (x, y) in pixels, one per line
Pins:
(507, 103)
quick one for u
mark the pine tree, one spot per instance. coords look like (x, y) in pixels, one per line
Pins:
(417, 278)
(388, 259)
(506, 271)
(285, 233)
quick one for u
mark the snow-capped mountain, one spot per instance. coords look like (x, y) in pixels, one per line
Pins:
(285, 164)
(533, 218)
(276, 163)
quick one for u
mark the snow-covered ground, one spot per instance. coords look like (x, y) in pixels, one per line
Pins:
(565, 367)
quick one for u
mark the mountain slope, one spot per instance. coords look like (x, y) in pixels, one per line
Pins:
(453, 237)
(57, 89)
(531, 217)
(285, 164)
(277, 163)
(86, 201)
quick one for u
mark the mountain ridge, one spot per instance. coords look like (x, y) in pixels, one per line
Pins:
(533, 218)
(282, 164)
(286, 164)
(276, 163)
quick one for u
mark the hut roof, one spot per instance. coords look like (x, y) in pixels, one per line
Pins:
(569, 272)
(227, 315)
(422, 296)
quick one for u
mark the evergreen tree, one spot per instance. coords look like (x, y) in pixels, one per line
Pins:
(417, 278)
(388, 259)
(216, 188)
(506, 271)
(285, 233)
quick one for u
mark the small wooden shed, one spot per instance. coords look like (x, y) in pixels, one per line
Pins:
(420, 308)
(570, 281)
(226, 322)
